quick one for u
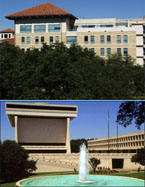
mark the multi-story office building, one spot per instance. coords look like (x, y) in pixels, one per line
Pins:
(124, 143)
(49, 24)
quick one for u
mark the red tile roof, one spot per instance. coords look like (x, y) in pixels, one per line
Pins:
(7, 31)
(46, 9)
(9, 40)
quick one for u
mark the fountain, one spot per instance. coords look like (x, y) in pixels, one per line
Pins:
(72, 180)
(83, 165)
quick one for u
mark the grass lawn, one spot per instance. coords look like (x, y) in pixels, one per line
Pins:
(140, 175)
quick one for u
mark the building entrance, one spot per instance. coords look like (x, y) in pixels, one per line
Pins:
(117, 163)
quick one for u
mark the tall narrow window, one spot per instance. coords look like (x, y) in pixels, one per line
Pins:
(102, 52)
(125, 39)
(118, 39)
(42, 39)
(28, 40)
(36, 40)
(108, 52)
(86, 39)
(125, 53)
(56, 39)
(23, 40)
(1, 35)
(102, 39)
(92, 49)
(119, 51)
(108, 39)
(92, 39)
(51, 40)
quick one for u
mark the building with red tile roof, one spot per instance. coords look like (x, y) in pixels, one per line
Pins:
(9, 40)
(47, 23)
(7, 35)
(7, 31)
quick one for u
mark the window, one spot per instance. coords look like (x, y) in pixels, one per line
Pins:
(23, 40)
(106, 25)
(108, 39)
(92, 39)
(118, 39)
(54, 28)
(5, 35)
(39, 28)
(108, 52)
(102, 52)
(42, 39)
(28, 40)
(125, 39)
(102, 39)
(88, 26)
(36, 40)
(56, 39)
(71, 39)
(51, 40)
(125, 52)
(1, 35)
(28, 49)
(92, 49)
(23, 49)
(75, 28)
(25, 29)
(9, 35)
(119, 51)
(86, 39)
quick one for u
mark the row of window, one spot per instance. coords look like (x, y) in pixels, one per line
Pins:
(5, 35)
(39, 40)
(40, 28)
(108, 39)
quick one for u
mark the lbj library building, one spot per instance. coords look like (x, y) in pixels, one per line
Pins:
(47, 23)
(44, 131)
(41, 128)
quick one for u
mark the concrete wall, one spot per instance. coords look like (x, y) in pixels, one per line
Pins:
(41, 130)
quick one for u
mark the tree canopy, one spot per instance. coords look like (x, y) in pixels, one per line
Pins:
(58, 72)
(131, 111)
(139, 157)
(94, 162)
(14, 161)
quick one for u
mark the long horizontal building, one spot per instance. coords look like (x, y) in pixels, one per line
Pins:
(122, 143)
(41, 128)
(49, 24)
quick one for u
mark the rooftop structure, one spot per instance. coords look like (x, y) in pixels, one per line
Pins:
(7, 35)
(124, 143)
(40, 127)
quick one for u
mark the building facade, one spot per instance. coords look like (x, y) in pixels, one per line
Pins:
(41, 128)
(7, 35)
(122, 143)
(49, 24)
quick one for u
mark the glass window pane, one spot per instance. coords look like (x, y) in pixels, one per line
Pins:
(39, 28)
(28, 40)
(71, 39)
(108, 51)
(92, 39)
(102, 52)
(51, 40)
(102, 39)
(25, 29)
(108, 39)
(23, 40)
(57, 39)
(36, 40)
(54, 28)
(125, 39)
(119, 51)
(125, 51)
(118, 39)
(42, 39)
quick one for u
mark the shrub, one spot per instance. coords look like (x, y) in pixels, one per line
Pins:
(14, 161)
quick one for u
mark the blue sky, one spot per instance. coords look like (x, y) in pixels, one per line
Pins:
(91, 122)
(80, 8)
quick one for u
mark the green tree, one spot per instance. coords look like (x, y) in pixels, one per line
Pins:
(94, 162)
(130, 111)
(139, 157)
(75, 145)
(14, 161)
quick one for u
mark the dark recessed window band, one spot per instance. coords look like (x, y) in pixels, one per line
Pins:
(46, 151)
(40, 107)
(49, 144)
